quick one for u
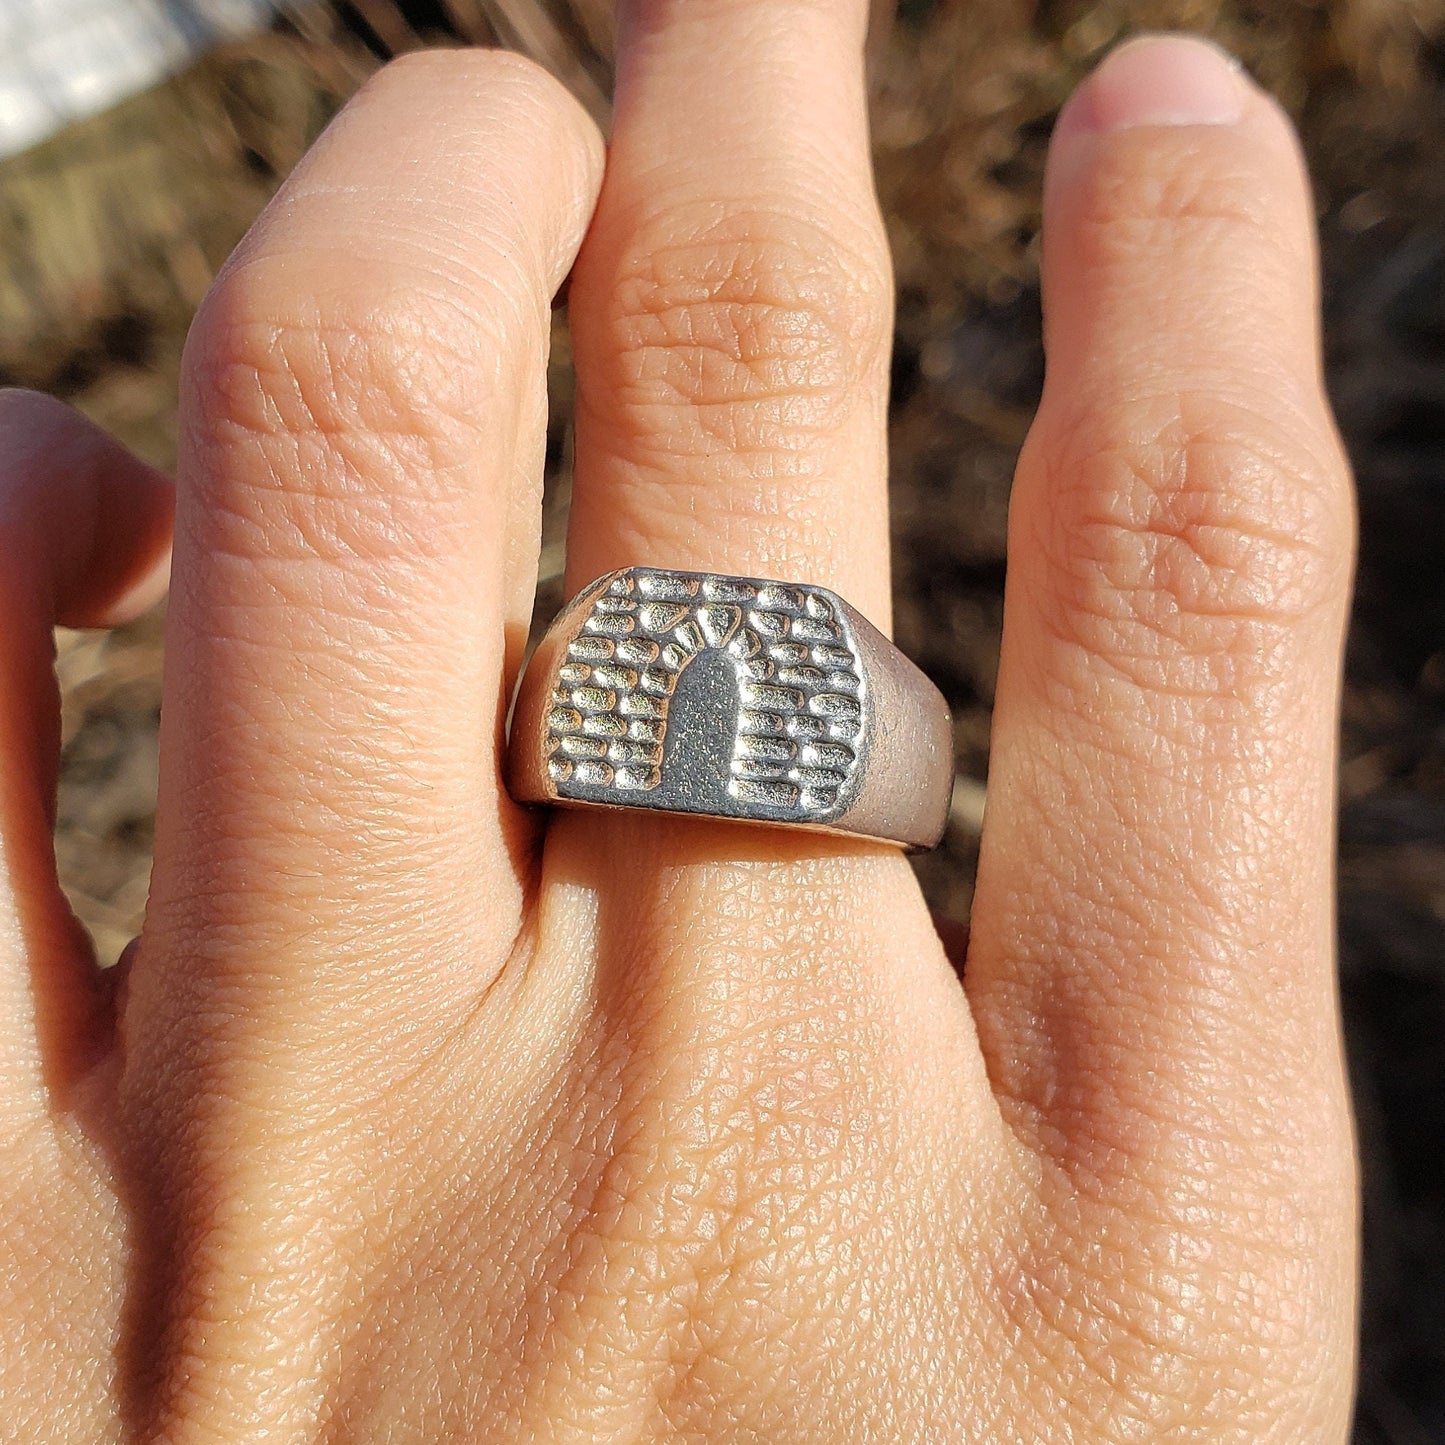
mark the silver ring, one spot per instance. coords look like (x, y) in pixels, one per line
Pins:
(731, 697)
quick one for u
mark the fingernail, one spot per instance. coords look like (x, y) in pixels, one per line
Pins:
(1160, 80)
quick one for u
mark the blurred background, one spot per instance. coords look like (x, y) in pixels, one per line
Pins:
(138, 138)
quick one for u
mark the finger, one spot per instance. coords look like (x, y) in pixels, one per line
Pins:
(363, 427)
(731, 313)
(1151, 950)
(730, 316)
(731, 309)
(84, 541)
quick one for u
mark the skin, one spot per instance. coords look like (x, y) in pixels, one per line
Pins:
(418, 1116)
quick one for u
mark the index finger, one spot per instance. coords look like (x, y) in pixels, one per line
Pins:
(363, 423)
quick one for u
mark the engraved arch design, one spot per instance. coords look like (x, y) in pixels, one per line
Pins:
(800, 692)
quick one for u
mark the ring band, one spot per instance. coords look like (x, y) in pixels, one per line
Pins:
(731, 697)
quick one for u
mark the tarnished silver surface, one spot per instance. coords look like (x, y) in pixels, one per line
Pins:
(731, 697)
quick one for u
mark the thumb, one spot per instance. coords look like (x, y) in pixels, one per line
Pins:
(84, 541)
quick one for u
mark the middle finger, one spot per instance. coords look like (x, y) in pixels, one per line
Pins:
(732, 308)
(757, 991)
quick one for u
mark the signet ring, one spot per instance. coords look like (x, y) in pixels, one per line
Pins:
(731, 697)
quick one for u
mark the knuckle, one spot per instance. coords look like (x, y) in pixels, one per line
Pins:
(1191, 529)
(344, 417)
(707, 1202)
(750, 331)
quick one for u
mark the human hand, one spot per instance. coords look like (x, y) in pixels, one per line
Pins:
(417, 1116)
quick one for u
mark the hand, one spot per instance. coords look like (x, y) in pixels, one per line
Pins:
(420, 1117)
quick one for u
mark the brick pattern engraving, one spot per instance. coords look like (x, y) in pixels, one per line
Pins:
(800, 712)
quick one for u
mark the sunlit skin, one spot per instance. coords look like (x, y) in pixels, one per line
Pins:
(417, 1116)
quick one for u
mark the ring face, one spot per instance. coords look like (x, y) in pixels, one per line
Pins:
(731, 697)
(707, 694)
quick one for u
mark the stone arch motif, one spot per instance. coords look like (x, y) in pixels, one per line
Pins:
(800, 695)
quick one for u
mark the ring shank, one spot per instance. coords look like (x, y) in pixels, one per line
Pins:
(908, 783)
